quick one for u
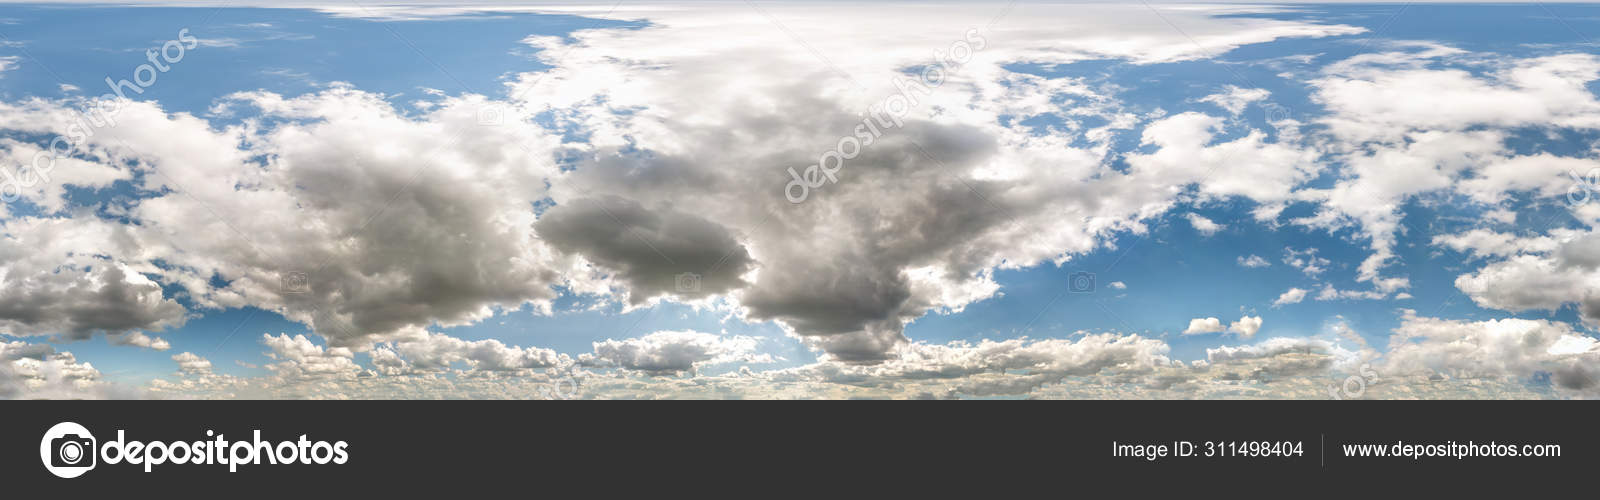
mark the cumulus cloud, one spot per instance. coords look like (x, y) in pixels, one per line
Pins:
(38, 371)
(1424, 118)
(1203, 325)
(1246, 327)
(57, 279)
(1496, 349)
(668, 352)
(1253, 261)
(1206, 227)
(1235, 98)
(375, 225)
(137, 339)
(1290, 296)
(372, 225)
(1306, 261)
(1269, 348)
(298, 359)
(656, 252)
(1570, 274)
(191, 363)
(438, 352)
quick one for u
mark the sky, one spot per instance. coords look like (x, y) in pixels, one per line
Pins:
(621, 200)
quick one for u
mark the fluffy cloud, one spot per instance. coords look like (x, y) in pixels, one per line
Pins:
(298, 359)
(1424, 118)
(1206, 227)
(1290, 296)
(372, 225)
(57, 279)
(1306, 261)
(191, 363)
(1269, 348)
(1253, 261)
(1569, 275)
(1203, 325)
(1501, 348)
(656, 252)
(666, 353)
(1246, 327)
(438, 352)
(1235, 98)
(137, 339)
(38, 371)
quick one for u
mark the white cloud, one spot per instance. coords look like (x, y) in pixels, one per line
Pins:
(1246, 327)
(1205, 226)
(1495, 349)
(1118, 285)
(1268, 348)
(137, 339)
(668, 352)
(1290, 296)
(1235, 98)
(660, 190)
(191, 363)
(1203, 325)
(663, 191)
(1425, 118)
(1483, 242)
(298, 359)
(38, 371)
(53, 286)
(1306, 261)
(1566, 273)
(438, 352)
(1253, 261)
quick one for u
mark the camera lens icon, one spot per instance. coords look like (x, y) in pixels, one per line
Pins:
(71, 451)
(687, 283)
(68, 450)
(1081, 282)
(294, 282)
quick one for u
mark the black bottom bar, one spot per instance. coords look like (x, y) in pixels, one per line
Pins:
(849, 449)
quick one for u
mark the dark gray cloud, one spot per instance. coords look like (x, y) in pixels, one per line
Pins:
(655, 252)
(79, 302)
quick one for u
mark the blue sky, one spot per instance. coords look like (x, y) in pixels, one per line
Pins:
(1172, 273)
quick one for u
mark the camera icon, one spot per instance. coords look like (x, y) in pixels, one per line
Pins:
(687, 283)
(491, 116)
(1276, 112)
(68, 450)
(72, 450)
(294, 282)
(1081, 282)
